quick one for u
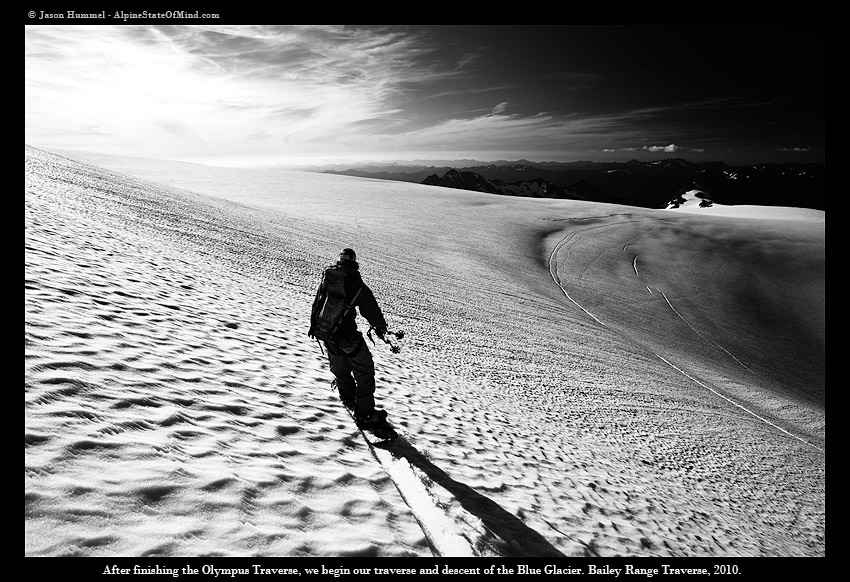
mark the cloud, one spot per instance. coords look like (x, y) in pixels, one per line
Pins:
(166, 91)
(491, 130)
(668, 149)
(252, 89)
(672, 149)
(229, 84)
(664, 149)
(205, 89)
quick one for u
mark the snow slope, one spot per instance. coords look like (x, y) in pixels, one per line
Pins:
(577, 378)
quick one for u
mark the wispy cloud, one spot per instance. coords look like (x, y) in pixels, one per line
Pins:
(184, 91)
(208, 88)
(205, 90)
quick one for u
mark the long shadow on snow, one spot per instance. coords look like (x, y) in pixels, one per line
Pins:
(509, 536)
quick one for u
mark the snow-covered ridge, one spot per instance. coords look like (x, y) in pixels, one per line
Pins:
(691, 199)
(700, 202)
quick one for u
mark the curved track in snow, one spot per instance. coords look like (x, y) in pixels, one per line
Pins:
(553, 272)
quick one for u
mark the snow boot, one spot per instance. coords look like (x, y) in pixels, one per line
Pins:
(376, 419)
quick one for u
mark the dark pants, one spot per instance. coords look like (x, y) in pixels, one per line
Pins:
(352, 366)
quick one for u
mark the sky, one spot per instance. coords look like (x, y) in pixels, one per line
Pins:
(260, 94)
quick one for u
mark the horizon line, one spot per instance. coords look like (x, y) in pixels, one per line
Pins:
(421, 159)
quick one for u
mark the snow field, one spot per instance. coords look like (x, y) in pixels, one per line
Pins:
(174, 405)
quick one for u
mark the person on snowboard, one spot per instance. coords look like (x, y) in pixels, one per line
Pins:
(350, 359)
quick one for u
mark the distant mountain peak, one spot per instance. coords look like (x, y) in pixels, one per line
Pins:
(691, 199)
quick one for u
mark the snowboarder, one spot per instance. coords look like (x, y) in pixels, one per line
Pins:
(333, 322)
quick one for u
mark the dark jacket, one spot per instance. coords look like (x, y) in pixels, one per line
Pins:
(365, 303)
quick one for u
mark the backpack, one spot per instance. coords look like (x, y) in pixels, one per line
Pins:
(331, 304)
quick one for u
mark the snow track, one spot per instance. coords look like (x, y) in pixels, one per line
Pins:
(456, 520)
(443, 534)
(553, 271)
(705, 339)
(744, 408)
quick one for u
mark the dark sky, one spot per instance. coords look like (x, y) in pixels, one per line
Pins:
(726, 90)
(739, 94)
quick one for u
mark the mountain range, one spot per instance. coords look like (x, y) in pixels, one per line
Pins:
(635, 183)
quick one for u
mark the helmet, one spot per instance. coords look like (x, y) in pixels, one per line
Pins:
(347, 255)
